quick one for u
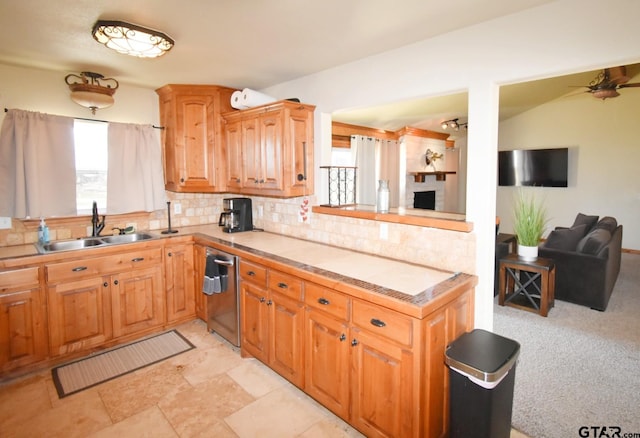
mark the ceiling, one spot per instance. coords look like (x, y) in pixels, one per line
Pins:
(257, 43)
(237, 43)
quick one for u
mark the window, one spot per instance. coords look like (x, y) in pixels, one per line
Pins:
(90, 140)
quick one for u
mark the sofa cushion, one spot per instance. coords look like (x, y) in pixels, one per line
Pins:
(566, 239)
(593, 242)
(608, 223)
(584, 219)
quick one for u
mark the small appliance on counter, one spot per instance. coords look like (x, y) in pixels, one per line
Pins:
(236, 215)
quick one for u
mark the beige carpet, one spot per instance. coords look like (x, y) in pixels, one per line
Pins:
(579, 367)
(93, 370)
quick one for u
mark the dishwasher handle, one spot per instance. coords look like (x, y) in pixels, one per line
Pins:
(223, 262)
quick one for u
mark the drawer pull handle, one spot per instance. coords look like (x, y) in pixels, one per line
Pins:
(251, 274)
(282, 285)
(137, 259)
(343, 337)
(79, 268)
(377, 322)
(324, 301)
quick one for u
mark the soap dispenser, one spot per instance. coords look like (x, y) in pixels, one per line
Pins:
(43, 232)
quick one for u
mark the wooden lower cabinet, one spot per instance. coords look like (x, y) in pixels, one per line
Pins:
(180, 282)
(199, 262)
(272, 322)
(23, 338)
(138, 301)
(79, 314)
(380, 370)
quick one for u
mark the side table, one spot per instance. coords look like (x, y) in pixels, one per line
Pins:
(518, 287)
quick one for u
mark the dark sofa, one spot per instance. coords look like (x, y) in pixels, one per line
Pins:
(587, 257)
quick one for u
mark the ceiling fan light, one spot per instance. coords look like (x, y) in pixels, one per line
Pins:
(131, 39)
(605, 93)
(444, 125)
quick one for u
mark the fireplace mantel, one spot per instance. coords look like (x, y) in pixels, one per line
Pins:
(440, 176)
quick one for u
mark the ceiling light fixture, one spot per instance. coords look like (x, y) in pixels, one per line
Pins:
(131, 39)
(453, 124)
(91, 90)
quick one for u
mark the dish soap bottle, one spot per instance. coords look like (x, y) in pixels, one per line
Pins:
(43, 232)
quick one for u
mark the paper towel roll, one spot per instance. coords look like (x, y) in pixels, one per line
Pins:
(236, 100)
(251, 98)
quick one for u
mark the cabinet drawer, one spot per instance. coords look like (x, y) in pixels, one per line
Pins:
(254, 273)
(383, 322)
(84, 268)
(327, 300)
(18, 278)
(285, 284)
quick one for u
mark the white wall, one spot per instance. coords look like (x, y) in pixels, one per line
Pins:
(562, 37)
(604, 143)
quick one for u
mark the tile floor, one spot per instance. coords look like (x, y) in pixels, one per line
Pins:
(209, 391)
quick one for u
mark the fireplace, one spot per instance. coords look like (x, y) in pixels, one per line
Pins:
(425, 200)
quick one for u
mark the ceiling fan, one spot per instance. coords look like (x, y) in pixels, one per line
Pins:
(608, 82)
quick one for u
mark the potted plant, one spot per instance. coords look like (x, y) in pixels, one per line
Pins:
(529, 221)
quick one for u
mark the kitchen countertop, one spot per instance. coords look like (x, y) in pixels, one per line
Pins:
(406, 281)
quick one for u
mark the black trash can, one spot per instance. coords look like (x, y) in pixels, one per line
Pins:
(482, 369)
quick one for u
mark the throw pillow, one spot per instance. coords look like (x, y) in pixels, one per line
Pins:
(608, 223)
(565, 239)
(593, 242)
(583, 219)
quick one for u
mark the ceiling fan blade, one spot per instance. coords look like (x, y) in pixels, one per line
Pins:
(616, 75)
(637, 84)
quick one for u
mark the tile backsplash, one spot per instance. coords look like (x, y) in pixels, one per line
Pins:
(443, 249)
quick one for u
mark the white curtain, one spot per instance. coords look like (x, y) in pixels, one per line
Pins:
(135, 179)
(37, 165)
(367, 153)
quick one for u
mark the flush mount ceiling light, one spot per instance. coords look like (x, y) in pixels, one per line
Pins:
(91, 90)
(131, 39)
(453, 124)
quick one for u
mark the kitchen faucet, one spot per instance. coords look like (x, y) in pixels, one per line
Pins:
(95, 220)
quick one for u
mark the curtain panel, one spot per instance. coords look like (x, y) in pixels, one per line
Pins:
(135, 178)
(37, 165)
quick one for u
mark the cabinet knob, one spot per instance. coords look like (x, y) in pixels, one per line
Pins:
(105, 284)
(343, 337)
(116, 282)
(269, 303)
(237, 180)
(169, 254)
(262, 299)
(181, 180)
(354, 342)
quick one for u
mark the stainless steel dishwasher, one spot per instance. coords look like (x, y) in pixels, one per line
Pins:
(223, 308)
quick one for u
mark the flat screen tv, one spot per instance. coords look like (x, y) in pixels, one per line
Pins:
(533, 167)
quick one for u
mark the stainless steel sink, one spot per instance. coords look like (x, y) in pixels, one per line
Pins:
(126, 238)
(91, 242)
(68, 245)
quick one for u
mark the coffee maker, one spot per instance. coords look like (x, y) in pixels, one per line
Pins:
(236, 215)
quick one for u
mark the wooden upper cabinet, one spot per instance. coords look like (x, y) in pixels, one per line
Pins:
(275, 145)
(194, 153)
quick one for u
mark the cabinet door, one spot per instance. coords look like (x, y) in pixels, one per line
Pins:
(327, 348)
(200, 258)
(286, 352)
(255, 321)
(381, 398)
(271, 151)
(180, 282)
(251, 155)
(79, 315)
(22, 328)
(138, 300)
(298, 152)
(233, 146)
(194, 143)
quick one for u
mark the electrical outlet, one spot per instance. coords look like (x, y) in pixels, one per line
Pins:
(5, 223)
(177, 208)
